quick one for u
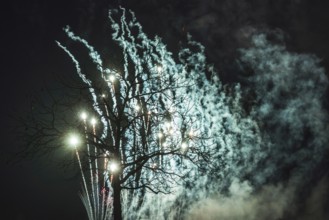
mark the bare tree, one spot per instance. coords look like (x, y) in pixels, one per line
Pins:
(149, 133)
(159, 122)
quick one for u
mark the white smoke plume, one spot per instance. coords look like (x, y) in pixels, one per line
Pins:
(271, 202)
(289, 89)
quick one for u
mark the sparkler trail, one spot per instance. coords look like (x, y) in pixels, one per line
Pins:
(93, 122)
(97, 60)
(94, 197)
(89, 209)
(171, 126)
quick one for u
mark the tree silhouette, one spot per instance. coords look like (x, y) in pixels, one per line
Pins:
(149, 133)
(161, 121)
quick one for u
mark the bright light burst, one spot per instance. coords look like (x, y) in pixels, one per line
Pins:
(93, 121)
(112, 78)
(159, 68)
(191, 134)
(74, 140)
(83, 115)
(113, 167)
(184, 146)
(160, 135)
(159, 131)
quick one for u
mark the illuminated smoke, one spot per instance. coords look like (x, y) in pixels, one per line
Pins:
(289, 90)
(285, 130)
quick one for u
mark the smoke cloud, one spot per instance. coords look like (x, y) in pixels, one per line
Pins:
(271, 202)
(288, 91)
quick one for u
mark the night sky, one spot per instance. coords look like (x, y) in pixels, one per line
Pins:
(31, 60)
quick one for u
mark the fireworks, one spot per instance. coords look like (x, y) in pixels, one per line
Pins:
(83, 116)
(95, 194)
(150, 117)
(137, 108)
(113, 167)
(184, 146)
(160, 135)
(74, 140)
(112, 78)
(93, 121)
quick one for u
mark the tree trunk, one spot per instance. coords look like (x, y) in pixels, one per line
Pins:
(117, 212)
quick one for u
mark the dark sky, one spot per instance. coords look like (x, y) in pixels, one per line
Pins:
(38, 189)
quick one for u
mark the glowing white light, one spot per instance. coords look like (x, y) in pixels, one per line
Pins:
(137, 108)
(103, 95)
(159, 68)
(112, 78)
(171, 131)
(184, 145)
(83, 115)
(191, 133)
(74, 140)
(154, 165)
(160, 135)
(93, 121)
(113, 167)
